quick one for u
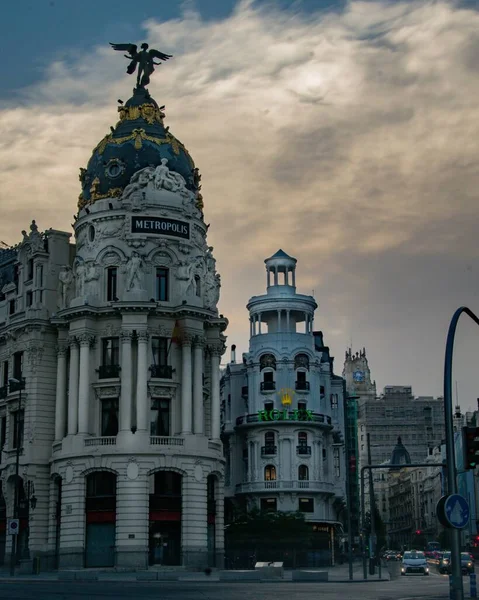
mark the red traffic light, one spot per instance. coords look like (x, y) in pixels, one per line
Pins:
(418, 532)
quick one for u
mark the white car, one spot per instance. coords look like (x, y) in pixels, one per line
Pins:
(415, 562)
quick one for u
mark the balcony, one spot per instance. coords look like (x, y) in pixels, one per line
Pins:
(269, 450)
(260, 486)
(101, 441)
(109, 371)
(268, 386)
(161, 371)
(3, 392)
(302, 386)
(161, 440)
(303, 450)
(244, 391)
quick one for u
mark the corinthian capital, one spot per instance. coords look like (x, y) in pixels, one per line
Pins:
(62, 348)
(126, 336)
(86, 339)
(216, 348)
(142, 335)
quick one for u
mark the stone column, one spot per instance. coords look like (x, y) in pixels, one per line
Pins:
(219, 524)
(287, 320)
(194, 520)
(198, 386)
(86, 341)
(141, 383)
(186, 389)
(259, 323)
(61, 397)
(73, 387)
(279, 321)
(125, 396)
(215, 392)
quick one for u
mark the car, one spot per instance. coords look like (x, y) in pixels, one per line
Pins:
(414, 562)
(467, 565)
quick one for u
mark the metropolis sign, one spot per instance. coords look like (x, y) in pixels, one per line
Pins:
(160, 226)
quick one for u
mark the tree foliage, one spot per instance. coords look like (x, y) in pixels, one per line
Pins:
(259, 528)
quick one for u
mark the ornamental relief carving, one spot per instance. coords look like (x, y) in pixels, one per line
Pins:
(164, 391)
(111, 391)
(34, 357)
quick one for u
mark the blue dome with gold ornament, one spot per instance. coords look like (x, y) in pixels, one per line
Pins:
(138, 140)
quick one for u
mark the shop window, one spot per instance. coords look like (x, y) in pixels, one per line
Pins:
(306, 505)
(268, 504)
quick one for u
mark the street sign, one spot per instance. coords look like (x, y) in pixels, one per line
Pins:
(13, 526)
(453, 511)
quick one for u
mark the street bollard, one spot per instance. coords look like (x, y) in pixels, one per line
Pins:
(451, 588)
(473, 585)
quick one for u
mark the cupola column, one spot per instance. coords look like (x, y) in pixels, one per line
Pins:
(276, 276)
(61, 396)
(287, 321)
(293, 273)
(198, 386)
(215, 392)
(142, 382)
(86, 340)
(73, 387)
(125, 396)
(259, 323)
(186, 397)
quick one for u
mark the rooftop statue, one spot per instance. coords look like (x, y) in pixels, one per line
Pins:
(144, 60)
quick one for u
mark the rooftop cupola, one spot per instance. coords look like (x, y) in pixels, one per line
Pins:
(281, 272)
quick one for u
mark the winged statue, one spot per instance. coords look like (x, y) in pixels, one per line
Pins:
(144, 60)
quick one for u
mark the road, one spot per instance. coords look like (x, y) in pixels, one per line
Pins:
(434, 587)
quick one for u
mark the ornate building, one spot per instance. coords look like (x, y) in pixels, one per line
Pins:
(283, 419)
(117, 340)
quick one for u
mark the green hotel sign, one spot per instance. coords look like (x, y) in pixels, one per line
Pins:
(285, 415)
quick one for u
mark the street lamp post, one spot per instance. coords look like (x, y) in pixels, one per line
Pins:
(18, 384)
(347, 443)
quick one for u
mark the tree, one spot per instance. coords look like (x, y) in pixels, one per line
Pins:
(261, 531)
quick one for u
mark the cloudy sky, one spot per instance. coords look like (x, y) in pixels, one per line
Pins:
(346, 133)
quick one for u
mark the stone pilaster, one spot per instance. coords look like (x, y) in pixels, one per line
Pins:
(215, 352)
(73, 387)
(72, 532)
(86, 340)
(142, 408)
(219, 524)
(194, 530)
(186, 386)
(132, 518)
(198, 411)
(126, 381)
(61, 392)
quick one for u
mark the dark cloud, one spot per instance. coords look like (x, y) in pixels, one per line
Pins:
(348, 138)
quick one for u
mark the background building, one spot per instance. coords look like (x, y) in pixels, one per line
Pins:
(119, 340)
(283, 419)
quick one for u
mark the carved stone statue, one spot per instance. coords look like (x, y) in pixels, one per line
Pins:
(212, 281)
(184, 274)
(169, 180)
(139, 180)
(91, 277)
(134, 272)
(80, 274)
(144, 60)
(65, 279)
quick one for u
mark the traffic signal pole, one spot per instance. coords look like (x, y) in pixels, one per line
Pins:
(457, 592)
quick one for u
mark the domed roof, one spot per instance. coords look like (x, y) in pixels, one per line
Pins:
(400, 455)
(138, 140)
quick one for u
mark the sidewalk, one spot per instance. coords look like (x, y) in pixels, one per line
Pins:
(337, 574)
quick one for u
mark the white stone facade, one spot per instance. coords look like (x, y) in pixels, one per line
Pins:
(283, 419)
(121, 343)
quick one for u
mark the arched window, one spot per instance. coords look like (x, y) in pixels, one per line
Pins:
(267, 360)
(301, 361)
(302, 438)
(270, 473)
(198, 285)
(269, 438)
(303, 473)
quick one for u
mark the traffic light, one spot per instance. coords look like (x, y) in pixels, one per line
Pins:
(418, 532)
(470, 445)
